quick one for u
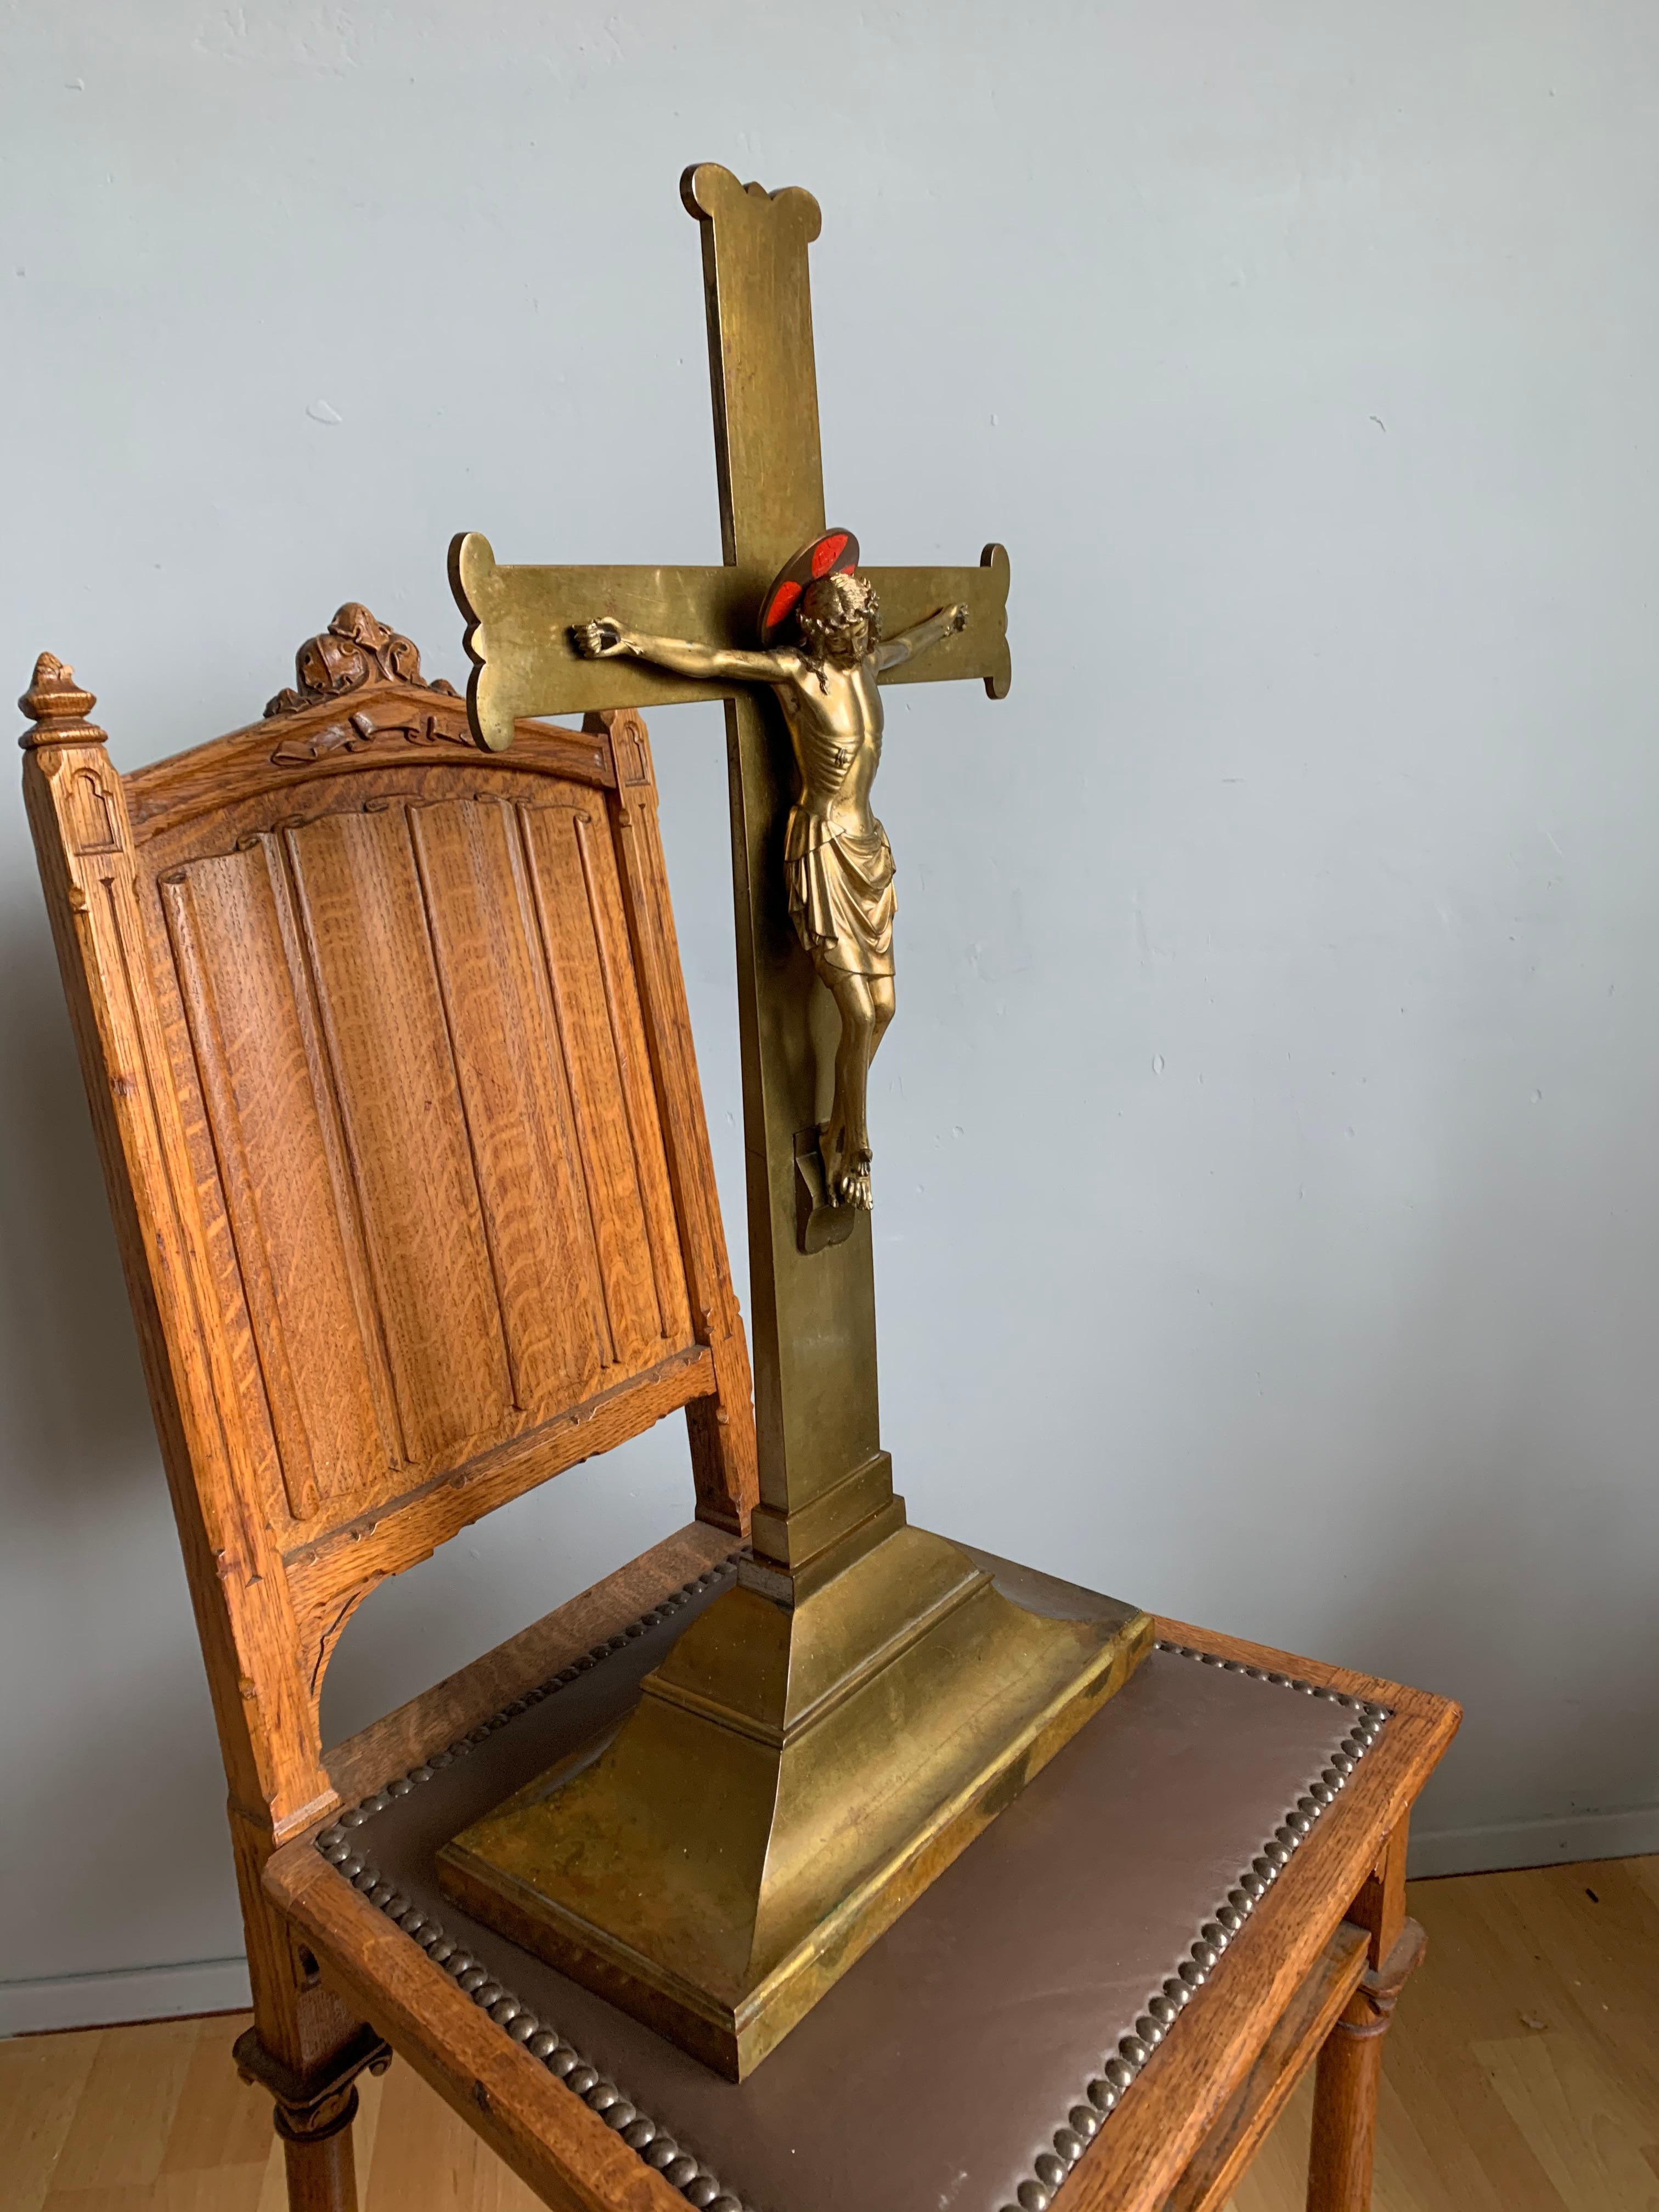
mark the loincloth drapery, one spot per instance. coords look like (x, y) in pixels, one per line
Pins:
(840, 894)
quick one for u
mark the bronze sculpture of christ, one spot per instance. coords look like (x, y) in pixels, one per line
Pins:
(838, 861)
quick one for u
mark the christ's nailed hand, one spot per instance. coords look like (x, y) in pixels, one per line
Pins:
(599, 641)
(955, 618)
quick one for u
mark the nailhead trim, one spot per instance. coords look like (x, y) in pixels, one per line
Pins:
(341, 1844)
(1119, 2068)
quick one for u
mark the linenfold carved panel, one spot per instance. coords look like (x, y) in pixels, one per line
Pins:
(422, 1061)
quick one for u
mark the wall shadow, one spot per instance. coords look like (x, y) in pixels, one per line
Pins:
(71, 1378)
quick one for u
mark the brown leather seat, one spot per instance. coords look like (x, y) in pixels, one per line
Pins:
(970, 2058)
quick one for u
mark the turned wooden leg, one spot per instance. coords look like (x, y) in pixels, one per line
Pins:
(304, 2046)
(321, 2174)
(313, 2116)
(1350, 2072)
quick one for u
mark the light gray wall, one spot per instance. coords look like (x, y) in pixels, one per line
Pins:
(1269, 1197)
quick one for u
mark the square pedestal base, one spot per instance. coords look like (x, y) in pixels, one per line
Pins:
(791, 1780)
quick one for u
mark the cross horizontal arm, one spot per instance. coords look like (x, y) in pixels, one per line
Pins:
(518, 625)
(519, 620)
(908, 596)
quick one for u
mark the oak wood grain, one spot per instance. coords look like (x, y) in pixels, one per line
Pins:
(1342, 2148)
(265, 758)
(1132, 2165)
(1294, 2040)
(544, 2133)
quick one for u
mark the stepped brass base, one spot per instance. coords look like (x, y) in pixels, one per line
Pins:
(792, 1778)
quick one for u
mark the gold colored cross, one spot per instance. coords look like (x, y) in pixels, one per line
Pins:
(825, 1483)
(827, 1736)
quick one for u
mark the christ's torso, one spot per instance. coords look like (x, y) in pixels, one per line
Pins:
(836, 734)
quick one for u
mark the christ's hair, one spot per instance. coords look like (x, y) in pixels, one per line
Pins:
(826, 615)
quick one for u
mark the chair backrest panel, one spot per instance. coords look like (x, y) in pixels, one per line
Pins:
(412, 1034)
(420, 1122)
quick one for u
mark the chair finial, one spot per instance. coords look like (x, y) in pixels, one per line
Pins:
(58, 707)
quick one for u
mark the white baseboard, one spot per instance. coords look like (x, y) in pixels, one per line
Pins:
(221, 1985)
(141, 1993)
(1623, 1835)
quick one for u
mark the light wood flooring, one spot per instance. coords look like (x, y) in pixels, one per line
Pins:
(1522, 2075)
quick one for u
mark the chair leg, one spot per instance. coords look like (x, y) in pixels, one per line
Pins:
(305, 2046)
(322, 2176)
(1345, 2083)
(313, 2115)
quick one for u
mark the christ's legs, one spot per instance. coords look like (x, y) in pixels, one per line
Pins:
(865, 1004)
(881, 998)
(847, 1140)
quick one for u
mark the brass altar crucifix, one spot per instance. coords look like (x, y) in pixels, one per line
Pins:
(828, 1735)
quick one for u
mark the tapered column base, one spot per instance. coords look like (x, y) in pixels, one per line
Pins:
(793, 1776)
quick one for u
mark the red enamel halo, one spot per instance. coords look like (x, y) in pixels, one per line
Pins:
(832, 554)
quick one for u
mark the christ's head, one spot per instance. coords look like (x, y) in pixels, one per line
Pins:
(840, 619)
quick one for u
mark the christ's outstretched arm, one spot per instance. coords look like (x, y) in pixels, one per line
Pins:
(607, 639)
(909, 643)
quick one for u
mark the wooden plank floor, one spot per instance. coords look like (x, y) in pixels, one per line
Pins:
(1523, 2070)
(1522, 2075)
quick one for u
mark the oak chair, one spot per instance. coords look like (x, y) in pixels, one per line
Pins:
(387, 1051)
